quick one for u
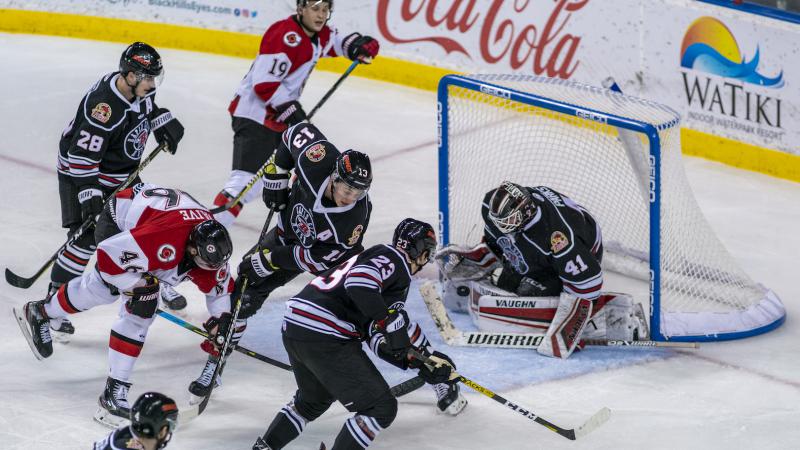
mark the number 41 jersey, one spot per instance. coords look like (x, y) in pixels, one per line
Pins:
(342, 303)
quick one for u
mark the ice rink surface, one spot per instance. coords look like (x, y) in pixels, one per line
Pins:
(732, 395)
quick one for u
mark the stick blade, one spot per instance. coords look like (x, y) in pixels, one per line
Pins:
(18, 281)
(594, 422)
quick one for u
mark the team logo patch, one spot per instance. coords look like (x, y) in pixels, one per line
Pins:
(211, 248)
(356, 234)
(558, 241)
(166, 253)
(315, 153)
(222, 274)
(512, 254)
(136, 140)
(291, 39)
(102, 112)
(303, 225)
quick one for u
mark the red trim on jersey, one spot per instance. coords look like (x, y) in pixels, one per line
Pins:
(124, 345)
(83, 166)
(234, 104)
(325, 321)
(107, 265)
(584, 291)
(125, 193)
(111, 180)
(63, 300)
(365, 275)
(266, 90)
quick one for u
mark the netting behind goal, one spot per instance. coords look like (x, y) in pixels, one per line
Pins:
(618, 156)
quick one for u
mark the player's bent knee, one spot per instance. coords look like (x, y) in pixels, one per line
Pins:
(383, 411)
(310, 411)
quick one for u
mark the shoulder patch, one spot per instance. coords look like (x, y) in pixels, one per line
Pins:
(166, 253)
(292, 39)
(558, 241)
(101, 112)
(356, 234)
(316, 152)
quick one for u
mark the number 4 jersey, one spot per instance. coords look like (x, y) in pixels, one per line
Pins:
(342, 303)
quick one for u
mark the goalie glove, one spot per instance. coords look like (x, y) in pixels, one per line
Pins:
(458, 263)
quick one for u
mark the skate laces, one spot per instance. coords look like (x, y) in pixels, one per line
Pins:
(442, 390)
(208, 372)
(120, 392)
(44, 324)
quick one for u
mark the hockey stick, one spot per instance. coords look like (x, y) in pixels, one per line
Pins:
(455, 337)
(24, 283)
(260, 172)
(197, 330)
(599, 418)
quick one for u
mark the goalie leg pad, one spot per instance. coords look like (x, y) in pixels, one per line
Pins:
(493, 309)
(617, 317)
(563, 335)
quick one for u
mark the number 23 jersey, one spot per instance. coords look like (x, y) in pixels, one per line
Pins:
(342, 303)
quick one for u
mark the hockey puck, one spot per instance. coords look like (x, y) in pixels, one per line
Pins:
(462, 291)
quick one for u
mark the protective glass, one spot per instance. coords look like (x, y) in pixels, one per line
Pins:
(343, 189)
(155, 80)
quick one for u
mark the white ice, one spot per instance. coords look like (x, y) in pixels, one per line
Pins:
(732, 395)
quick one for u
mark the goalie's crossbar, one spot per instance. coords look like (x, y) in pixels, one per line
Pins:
(455, 337)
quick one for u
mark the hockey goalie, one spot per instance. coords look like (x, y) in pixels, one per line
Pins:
(538, 270)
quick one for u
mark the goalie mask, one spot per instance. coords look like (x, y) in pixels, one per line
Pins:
(415, 238)
(510, 207)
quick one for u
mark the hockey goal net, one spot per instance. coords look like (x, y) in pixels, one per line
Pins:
(618, 156)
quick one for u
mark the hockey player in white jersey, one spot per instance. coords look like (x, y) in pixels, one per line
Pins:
(547, 250)
(147, 236)
(267, 99)
(154, 417)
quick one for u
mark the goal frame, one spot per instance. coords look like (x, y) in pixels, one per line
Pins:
(649, 130)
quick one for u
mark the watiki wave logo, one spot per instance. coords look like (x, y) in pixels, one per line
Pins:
(709, 46)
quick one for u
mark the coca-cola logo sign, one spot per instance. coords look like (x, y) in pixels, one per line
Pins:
(527, 35)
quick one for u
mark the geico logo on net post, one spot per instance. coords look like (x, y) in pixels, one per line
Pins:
(589, 115)
(497, 92)
(652, 161)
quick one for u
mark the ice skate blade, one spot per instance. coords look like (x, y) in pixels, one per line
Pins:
(26, 332)
(104, 417)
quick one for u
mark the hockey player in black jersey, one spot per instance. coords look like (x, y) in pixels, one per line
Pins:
(154, 417)
(102, 145)
(324, 326)
(549, 246)
(321, 220)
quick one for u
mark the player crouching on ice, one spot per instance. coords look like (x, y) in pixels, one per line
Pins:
(324, 326)
(154, 417)
(548, 251)
(147, 236)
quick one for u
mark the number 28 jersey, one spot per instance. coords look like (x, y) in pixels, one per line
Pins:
(342, 303)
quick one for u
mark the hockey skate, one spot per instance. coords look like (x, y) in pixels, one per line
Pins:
(261, 445)
(199, 388)
(172, 299)
(35, 327)
(61, 330)
(450, 400)
(114, 410)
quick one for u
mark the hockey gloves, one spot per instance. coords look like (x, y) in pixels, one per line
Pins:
(143, 299)
(217, 328)
(361, 48)
(290, 113)
(440, 371)
(276, 186)
(166, 128)
(257, 266)
(394, 329)
(91, 200)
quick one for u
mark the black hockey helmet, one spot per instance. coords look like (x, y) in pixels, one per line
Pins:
(213, 244)
(354, 168)
(510, 207)
(414, 237)
(152, 412)
(143, 60)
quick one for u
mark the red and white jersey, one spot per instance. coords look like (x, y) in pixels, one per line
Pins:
(156, 223)
(285, 60)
